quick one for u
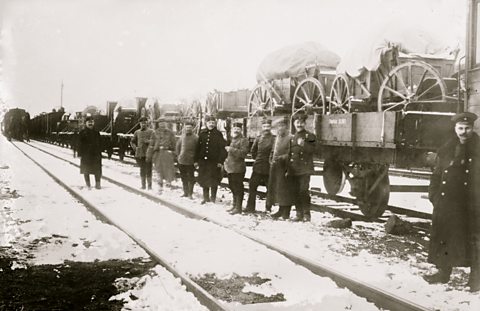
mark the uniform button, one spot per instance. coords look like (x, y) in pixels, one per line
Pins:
(443, 193)
(446, 171)
(469, 160)
(444, 182)
(465, 183)
(466, 171)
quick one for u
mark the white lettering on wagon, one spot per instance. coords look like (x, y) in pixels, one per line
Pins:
(337, 121)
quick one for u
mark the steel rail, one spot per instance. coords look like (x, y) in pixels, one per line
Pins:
(202, 295)
(378, 296)
(338, 212)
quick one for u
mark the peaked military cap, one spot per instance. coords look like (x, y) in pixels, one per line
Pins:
(237, 124)
(89, 117)
(467, 117)
(300, 116)
(266, 121)
(142, 119)
(160, 119)
(281, 121)
(210, 118)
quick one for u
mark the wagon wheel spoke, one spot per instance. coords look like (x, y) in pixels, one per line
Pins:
(305, 93)
(429, 89)
(400, 78)
(395, 92)
(316, 99)
(410, 78)
(421, 81)
(302, 100)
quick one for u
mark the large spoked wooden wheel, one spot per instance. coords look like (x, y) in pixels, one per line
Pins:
(414, 82)
(333, 176)
(260, 102)
(309, 95)
(340, 95)
(377, 193)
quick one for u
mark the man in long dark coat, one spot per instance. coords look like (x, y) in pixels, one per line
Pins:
(90, 152)
(455, 233)
(300, 168)
(279, 186)
(209, 156)
(261, 150)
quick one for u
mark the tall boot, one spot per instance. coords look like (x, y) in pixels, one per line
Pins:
(306, 213)
(286, 212)
(190, 189)
(205, 196)
(144, 179)
(299, 212)
(279, 213)
(149, 182)
(238, 205)
(213, 195)
(442, 276)
(86, 177)
(185, 188)
(234, 204)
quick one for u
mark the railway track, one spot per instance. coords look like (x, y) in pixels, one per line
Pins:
(203, 296)
(350, 209)
(378, 296)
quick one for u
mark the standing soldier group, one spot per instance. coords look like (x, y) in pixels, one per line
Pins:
(282, 163)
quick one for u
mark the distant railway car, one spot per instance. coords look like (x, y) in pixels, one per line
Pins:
(15, 124)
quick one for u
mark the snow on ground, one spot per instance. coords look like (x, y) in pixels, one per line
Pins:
(197, 247)
(40, 223)
(398, 273)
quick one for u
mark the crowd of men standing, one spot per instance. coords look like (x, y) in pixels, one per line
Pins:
(282, 163)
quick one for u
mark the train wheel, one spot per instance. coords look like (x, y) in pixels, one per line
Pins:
(413, 82)
(333, 176)
(260, 102)
(309, 94)
(376, 195)
(340, 95)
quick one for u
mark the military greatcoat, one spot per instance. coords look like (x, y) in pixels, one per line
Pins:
(90, 151)
(279, 186)
(209, 153)
(301, 157)
(454, 185)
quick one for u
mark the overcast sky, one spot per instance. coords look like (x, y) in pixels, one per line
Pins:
(113, 49)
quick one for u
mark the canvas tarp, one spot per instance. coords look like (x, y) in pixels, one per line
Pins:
(366, 54)
(291, 61)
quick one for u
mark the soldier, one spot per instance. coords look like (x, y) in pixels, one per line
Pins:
(209, 156)
(278, 184)
(300, 166)
(186, 152)
(141, 139)
(90, 152)
(161, 150)
(261, 150)
(235, 166)
(455, 233)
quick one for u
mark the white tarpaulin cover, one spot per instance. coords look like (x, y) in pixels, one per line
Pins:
(291, 61)
(366, 54)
